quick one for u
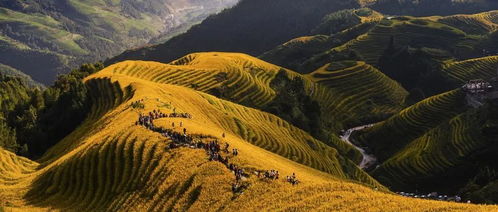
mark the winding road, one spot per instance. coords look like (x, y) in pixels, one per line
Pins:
(368, 160)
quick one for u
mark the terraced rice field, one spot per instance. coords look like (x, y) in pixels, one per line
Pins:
(359, 90)
(119, 142)
(246, 80)
(372, 44)
(407, 31)
(478, 68)
(480, 23)
(392, 135)
(435, 152)
(110, 164)
(238, 76)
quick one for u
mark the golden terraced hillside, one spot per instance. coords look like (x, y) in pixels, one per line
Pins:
(111, 164)
(246, 80)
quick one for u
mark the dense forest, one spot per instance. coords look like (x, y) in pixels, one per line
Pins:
(32, 119)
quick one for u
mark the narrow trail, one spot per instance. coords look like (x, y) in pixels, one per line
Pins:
(368, 160)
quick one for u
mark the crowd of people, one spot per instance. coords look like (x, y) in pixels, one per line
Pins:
(147, 120)
(212, 148)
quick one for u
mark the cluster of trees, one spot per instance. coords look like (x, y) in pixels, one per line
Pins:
(12, 92)
(295, 106)
(32, 120)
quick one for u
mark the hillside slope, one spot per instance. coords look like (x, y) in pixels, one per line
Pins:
(56, 36)
(247, 80)
(128, 167)
(334, 30)
(393, 134)
(254, 83)
(286, 20)
(437, 144)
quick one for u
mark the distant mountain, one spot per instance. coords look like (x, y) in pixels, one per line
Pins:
(44, 38)
(252, 27)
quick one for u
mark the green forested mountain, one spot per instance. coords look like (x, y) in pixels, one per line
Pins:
(44, 38)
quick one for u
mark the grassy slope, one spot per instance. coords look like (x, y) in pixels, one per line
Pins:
(127, 167)
(480, 23)
(437, 144)
(408, 31)
(432, 7)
